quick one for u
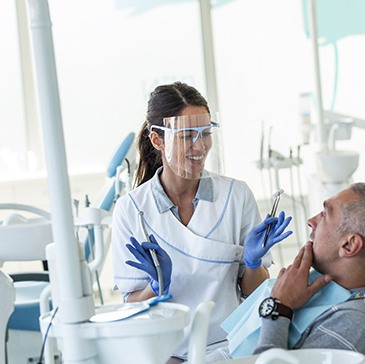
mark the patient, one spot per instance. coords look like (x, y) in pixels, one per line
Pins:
(322, 308)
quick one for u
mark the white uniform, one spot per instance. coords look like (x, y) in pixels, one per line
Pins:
(206, 255)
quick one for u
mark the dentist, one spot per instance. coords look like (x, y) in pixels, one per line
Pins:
(205, 228)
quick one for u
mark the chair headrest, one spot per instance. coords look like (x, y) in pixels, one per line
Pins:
(120, 155)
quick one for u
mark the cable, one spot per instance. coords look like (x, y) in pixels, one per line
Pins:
(40, 360)
(128, 165)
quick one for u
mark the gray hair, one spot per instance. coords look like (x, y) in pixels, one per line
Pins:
(353, 219)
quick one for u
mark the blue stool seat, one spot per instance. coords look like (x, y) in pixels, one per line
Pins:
(26, 311)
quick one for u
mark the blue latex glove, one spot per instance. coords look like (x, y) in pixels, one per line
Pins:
(145, 262)
(253, 250)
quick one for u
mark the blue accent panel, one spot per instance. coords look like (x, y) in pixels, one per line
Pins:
(108, 201)
(87, 246)
(224, 210)
(336, 18)
(26, 310)
(134, 203)
(120, 155)
(25, 317)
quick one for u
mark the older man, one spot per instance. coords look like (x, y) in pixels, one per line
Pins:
(322, 307)
(337, 250)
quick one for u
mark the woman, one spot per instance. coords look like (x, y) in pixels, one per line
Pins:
(200, 220)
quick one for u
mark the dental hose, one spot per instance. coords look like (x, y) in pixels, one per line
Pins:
(156, 262)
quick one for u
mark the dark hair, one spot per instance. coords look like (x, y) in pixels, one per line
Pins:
(165, 101)
(353, 213)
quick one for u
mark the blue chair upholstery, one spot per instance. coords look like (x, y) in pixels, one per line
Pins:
(25, 239)
(120, 155)
(7, 299)
(107, 198)
(26, 310)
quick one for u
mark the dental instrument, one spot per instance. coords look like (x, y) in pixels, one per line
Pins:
(126, 310)
(276, 197)
(277, 164)
(154, 256)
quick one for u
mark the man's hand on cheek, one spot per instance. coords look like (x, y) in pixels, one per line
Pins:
(291, 286)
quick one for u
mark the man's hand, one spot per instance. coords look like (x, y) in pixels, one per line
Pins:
(291, 287)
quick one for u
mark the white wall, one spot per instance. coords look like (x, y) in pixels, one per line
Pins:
(111, 56)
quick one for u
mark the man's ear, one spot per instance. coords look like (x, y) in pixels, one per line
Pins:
(351, 245)
(156, 141)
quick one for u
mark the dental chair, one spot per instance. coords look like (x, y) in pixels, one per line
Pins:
(25, 239)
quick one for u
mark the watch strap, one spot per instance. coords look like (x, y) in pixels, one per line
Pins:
(282, 310)
(276, 310)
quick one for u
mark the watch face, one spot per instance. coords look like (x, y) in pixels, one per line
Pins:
(266, 307)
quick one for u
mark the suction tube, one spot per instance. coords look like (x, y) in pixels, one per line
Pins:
(154, 256)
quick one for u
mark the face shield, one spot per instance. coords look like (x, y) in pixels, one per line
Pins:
(191, 144)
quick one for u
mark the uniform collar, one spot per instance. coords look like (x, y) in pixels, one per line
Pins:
(205, 192)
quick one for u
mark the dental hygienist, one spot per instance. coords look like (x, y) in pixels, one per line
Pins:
(205, 228)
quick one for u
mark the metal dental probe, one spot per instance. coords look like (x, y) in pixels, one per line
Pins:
(276, 197)
(153, 255)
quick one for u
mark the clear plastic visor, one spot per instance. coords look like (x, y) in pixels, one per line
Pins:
(188, 143)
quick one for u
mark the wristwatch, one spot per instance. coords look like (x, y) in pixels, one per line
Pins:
(271, 307)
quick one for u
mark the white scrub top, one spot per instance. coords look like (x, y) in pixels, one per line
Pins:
(207, 254)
